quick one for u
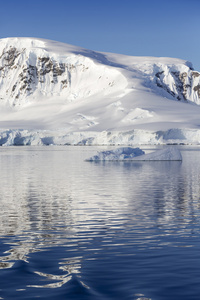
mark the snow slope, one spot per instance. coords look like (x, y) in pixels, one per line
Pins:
(55, 93)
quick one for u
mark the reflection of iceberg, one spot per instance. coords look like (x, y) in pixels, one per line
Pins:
(57, 210)
(128, 153)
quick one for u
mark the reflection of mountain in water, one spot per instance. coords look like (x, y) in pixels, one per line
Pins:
(51, 197)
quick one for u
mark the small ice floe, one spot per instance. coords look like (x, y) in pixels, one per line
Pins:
(136, 154)
(124, 153)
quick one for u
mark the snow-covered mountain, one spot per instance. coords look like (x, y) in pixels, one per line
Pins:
(33, 68)
(55, 93)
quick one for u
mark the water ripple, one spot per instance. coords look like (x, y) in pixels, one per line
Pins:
(73, 229)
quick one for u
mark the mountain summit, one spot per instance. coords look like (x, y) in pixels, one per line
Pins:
(47, 85)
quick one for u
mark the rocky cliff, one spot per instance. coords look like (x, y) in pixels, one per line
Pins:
(28, 70)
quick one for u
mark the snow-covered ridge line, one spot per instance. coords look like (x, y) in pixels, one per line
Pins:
(131, 138)
(32, 68)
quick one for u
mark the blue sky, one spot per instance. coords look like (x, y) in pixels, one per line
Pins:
(142, 28)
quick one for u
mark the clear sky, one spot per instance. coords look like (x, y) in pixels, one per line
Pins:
(134, 27)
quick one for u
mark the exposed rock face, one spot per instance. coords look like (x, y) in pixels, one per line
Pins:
(34, 73)
(181, 85)
(45, 71)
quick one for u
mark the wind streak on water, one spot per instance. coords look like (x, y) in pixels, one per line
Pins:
(112, 230)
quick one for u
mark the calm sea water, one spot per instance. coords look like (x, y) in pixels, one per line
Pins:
(71, 229)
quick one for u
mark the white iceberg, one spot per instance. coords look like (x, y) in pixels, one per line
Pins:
(166, 154)
(136, 154)
(123, 153)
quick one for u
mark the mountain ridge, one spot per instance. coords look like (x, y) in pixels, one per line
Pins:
(48, 85)
(41, 57)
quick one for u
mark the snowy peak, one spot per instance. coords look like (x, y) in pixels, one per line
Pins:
(182, 83)
(169, 77)
(36, 68)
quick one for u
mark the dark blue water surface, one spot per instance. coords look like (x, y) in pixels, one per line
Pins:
(71, 229)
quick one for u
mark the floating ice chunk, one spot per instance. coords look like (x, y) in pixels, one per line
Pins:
(128, 153)
(166, 154)
(124, 153)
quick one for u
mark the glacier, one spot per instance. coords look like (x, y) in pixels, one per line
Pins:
(53, 93)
